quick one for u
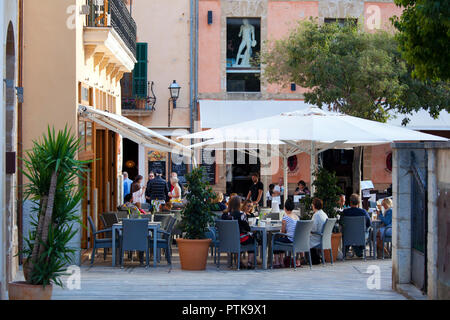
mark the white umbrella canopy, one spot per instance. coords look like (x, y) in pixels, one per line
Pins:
(315, 124)
(312, 131)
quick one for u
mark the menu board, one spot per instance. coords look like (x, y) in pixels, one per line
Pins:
(157, 161)
(181, 170)
(155, 165)
(209, 165)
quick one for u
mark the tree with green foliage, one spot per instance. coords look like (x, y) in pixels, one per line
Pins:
(54, 172)
(326, 189)
(424, 37)
(197, 214)
(357, 73)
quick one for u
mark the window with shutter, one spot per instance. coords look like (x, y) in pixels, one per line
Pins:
(140, 71)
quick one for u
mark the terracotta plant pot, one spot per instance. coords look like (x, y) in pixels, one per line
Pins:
(335, 244)
(25, 291)
(193, 253)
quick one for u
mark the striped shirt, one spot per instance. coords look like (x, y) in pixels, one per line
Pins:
(290, 226)
(157, 189)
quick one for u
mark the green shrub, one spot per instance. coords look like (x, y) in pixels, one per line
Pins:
(197, 215)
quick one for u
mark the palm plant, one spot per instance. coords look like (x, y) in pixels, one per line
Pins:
(197, 215)
(54, 172)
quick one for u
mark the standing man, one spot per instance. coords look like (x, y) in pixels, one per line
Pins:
(256, 191)
(151, 176)
(126, 184)
(278, 191)
(157, 188)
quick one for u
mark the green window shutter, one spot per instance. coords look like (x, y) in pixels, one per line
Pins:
(140, 71)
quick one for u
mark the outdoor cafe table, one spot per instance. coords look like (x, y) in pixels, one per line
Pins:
(375, 226)
(264, 230)
(153, 226)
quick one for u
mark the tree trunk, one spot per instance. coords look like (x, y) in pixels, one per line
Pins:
(40, 226)
(357, 158)
(49, 211)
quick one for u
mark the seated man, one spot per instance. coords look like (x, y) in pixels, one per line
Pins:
(355, 211)
(129, 205)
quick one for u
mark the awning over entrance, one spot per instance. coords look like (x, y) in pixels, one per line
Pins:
(133, 131)
(219, 113)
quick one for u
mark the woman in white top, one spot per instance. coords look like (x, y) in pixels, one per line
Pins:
(175, 194)
(288, 228)
(138, 191)
(319, 219)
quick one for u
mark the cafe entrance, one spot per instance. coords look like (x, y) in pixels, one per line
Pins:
(240, 171)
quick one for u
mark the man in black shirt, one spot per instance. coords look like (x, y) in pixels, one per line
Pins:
(157, 188)
(355, 211)
(256, 191)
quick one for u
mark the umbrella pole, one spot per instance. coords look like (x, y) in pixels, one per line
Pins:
(313, 165)
(285, 178)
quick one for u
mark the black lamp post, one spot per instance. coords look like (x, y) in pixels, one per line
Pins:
(174, 90)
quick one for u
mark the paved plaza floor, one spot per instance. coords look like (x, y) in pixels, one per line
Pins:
(343, 280)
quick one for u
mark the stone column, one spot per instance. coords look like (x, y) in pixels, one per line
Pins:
(401, 215)
(432, 235)
(141, 164)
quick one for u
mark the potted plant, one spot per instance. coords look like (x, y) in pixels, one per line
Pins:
(328, 191)
(53, 173)
(195, 219)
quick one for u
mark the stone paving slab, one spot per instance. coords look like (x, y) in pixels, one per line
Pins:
(344, 280)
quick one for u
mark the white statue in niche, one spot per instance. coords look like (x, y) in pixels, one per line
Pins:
(248, 42)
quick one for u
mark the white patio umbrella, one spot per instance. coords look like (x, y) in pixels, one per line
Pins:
(312, 131)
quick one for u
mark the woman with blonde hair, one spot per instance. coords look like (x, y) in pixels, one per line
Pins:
(386, 219)
(218, 202)
(175, 194)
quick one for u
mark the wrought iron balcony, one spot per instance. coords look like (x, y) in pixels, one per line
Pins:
(115, 14)
(132, 106)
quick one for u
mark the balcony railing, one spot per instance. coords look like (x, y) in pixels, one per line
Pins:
(138, 104)
(115, 14)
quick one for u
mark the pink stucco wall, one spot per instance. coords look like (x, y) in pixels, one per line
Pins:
(283, 17)
(209, 48)
(379, 172)
(377, 14)
(301, 173)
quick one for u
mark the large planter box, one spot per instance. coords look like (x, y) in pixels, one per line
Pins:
(335, 244)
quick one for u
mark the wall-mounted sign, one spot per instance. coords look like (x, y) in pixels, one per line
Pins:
(181, 170)
(389, 162)
(157, 161)
(293, 165)
(209, 165)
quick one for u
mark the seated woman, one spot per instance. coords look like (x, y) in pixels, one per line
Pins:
(129, 206)
(288, 227)
(247, 208)
(386, 219)
(217, 203)
(302, 189)
(319, 218)
(244, 228)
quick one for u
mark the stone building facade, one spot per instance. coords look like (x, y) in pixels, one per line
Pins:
(217, 72)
